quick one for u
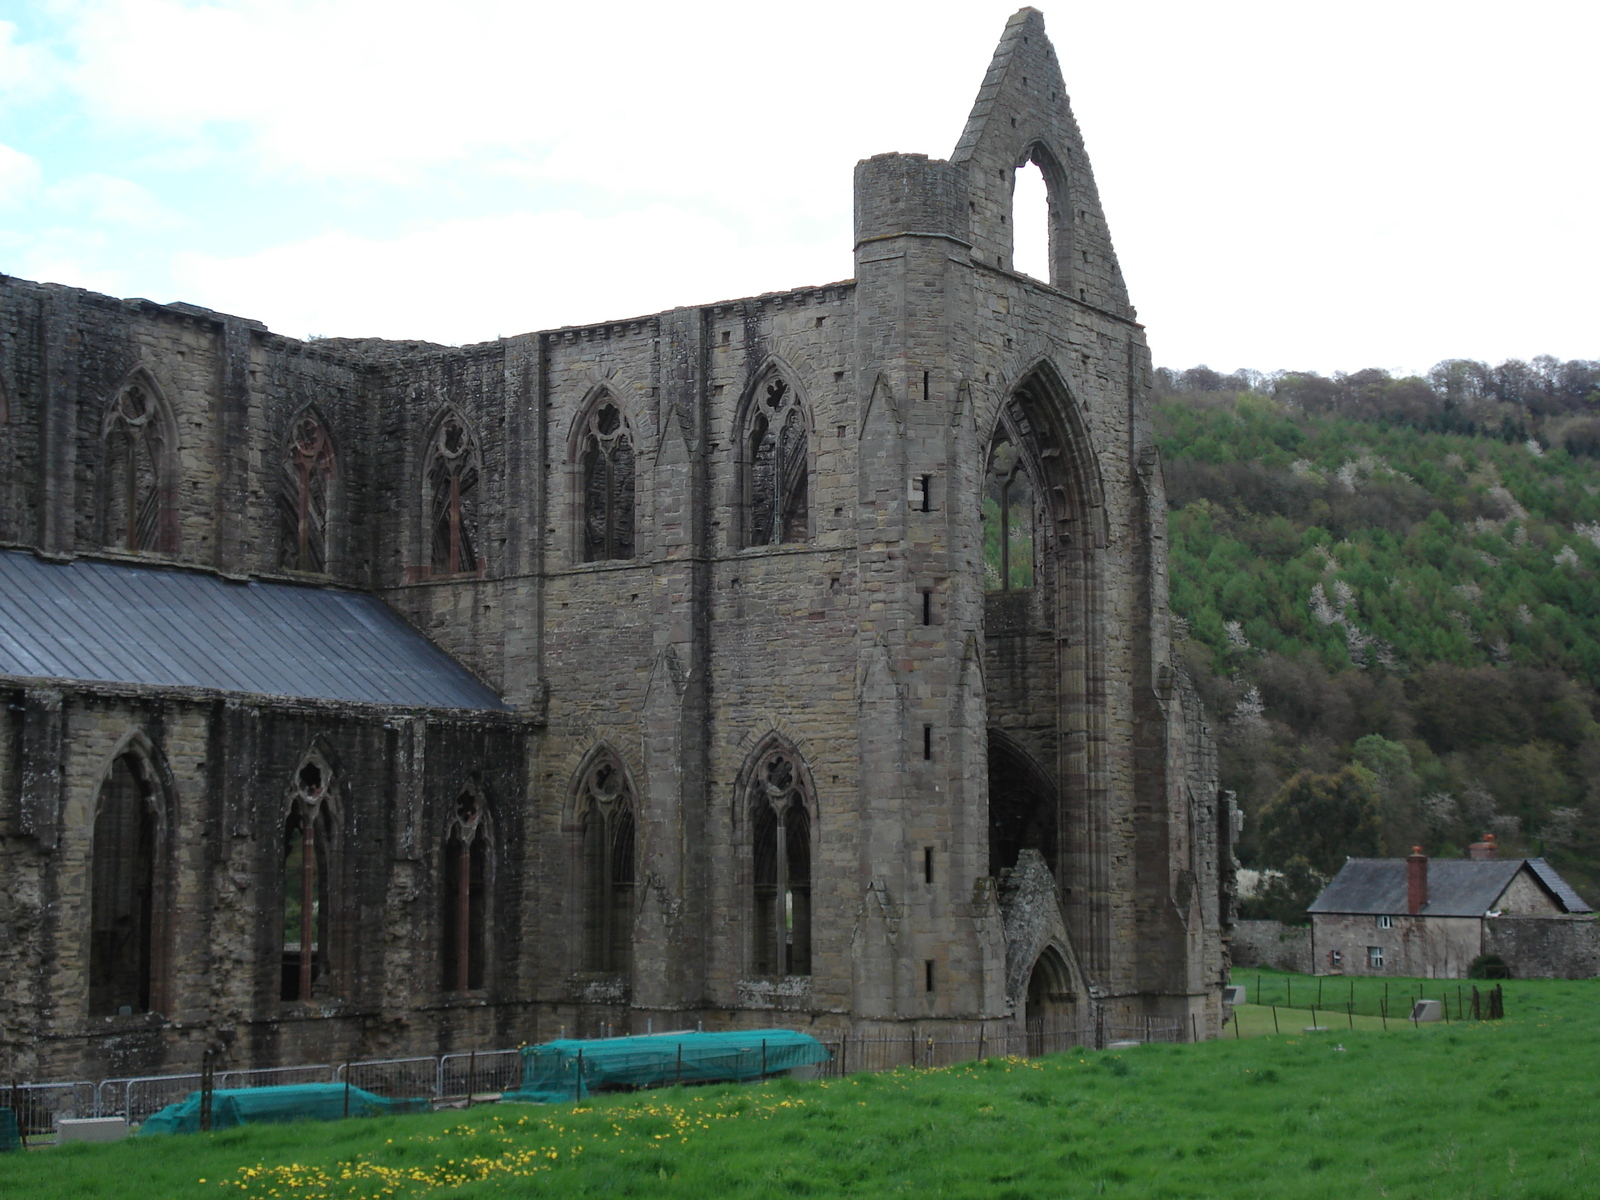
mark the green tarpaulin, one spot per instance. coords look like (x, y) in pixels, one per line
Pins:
(9, 1138)
(570, 1069)
(276, 1105)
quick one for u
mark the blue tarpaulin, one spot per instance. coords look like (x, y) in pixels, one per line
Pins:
(570, 1069)
(277, 1105)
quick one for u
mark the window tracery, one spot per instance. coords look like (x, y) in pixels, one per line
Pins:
(607, 462)
(306, 853)
(780, 823)
(777, 466)
(1008, 513)
(608, 853)
(308, 475)
(135, 454)
(452, 481)
(122, 890)
(465, 891)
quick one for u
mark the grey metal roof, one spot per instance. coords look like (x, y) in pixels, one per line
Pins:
(1457, 887)
(1570, 899)
(167, 627)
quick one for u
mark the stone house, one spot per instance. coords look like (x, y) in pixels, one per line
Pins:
(1430, 918)
(800, 659)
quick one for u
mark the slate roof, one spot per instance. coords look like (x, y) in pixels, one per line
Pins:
(122, 623)
(1457, 887)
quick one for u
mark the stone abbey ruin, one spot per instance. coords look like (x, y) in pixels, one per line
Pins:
(800, 660)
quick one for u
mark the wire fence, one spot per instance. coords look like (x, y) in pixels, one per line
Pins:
(460, 1075)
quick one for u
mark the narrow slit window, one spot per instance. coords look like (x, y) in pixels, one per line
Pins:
(927, 493)
(927, 742)
(927, 976)
(927, 608)
(927, 864)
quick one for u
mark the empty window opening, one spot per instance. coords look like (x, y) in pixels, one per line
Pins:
(122, 890)
(452, 480)
(1022, 807)
(726, 337)
(1030, 223)
(927, 608)
(308, 475)
(927, 975)
(307, 838)
(464, 892)
(927, 864)
(608, 868)
(781, 846)
(777, 466)
(1008, 512)
(607, 465)
(925, 376)
(927, 743)
(927, 493)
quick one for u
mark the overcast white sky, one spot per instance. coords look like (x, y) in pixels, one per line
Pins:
(1322, 186)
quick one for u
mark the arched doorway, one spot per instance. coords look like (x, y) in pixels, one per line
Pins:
(1052, 1005)
(1022, 807)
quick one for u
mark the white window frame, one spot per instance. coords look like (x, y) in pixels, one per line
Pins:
(1375, 958)
(1386, 922)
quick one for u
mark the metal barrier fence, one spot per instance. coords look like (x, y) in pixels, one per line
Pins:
(39, 1105)
(456, 1075)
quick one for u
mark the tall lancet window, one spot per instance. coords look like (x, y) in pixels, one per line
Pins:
(606, 459)
(136, 449)
(777, 466)
(606, 820)
(465, 891)
(780, 825)
(122, 890)
(1008, 504)
(308, 834)
(308, 476)
(452, 484)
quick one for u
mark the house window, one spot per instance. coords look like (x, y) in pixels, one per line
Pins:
(308, 472)
(606, 457)
(452, 492)
(777, 466)
(780, 822)
(465, 892)
(607, 832)
(1385, 922)
(1375, 958)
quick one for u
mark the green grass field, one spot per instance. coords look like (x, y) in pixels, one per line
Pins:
(1477, 1109)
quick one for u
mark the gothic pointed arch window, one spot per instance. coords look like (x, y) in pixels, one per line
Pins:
(464, 890)
(777, 464)
(606, 482)
(452, 474)
(1008, 508)
(122, 889)
(780, 847)
(137, 445)
(608, 851)
(309, 472)
(306, 860)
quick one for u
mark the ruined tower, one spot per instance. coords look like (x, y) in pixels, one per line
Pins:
(801, 659)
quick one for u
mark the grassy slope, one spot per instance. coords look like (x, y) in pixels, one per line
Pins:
(1503, 1109)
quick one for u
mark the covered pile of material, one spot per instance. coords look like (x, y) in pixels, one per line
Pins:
(570, 1069)
(277, 1105)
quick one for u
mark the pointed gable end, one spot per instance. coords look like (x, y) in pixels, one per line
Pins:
(1022, 116)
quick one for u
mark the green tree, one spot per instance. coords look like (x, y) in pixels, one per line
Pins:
(1322, 818)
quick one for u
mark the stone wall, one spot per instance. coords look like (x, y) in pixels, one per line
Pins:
(1545, 947)
(1273, 944)
(862, 643)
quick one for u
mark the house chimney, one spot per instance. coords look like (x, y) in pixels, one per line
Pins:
(1488, 848)
(1416, 881)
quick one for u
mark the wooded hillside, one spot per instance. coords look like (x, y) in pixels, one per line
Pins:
(1390, 595)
